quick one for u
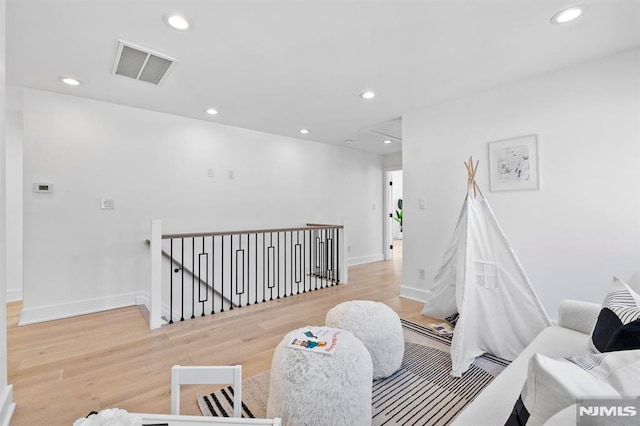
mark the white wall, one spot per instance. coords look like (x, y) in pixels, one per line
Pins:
(155, 166)
(14, 188)
(392, 161)
(7, 405)
(583, 225)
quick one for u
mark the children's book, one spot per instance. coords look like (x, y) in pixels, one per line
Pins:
(315, 339)
(441, 328)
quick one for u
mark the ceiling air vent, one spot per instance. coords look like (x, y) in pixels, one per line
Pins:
(141, 64)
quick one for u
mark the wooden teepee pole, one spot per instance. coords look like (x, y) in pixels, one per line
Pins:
(471, 182)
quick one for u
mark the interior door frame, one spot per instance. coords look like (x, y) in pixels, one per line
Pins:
(389, 209)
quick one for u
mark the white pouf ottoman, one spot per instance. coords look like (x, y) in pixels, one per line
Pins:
(378, 327)
(312, 388)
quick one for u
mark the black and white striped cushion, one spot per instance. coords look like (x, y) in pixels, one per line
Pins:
(619, 308)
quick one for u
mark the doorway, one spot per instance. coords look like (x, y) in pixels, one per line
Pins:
(394, 215)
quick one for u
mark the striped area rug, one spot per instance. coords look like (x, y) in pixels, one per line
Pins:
(421, 393)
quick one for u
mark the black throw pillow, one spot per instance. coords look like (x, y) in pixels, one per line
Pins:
(625, 338)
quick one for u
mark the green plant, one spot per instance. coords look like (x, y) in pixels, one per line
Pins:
(398, 216)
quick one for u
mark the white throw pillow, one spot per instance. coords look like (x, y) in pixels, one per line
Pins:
(553, 384)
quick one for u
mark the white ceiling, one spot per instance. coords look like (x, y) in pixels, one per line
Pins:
(281, 65)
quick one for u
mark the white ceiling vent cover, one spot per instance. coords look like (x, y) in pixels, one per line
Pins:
(141, 64)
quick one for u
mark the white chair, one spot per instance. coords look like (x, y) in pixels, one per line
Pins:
(173, 420)
(197, 375)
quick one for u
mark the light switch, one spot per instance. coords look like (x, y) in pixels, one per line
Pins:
(422, 204)
(210, 172)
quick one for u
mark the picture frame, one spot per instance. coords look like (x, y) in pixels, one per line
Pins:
(513, 164)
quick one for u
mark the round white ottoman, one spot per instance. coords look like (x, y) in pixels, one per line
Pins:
(378, 327)
(309, 388)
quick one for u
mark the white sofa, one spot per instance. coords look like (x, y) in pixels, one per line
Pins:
(570, 337)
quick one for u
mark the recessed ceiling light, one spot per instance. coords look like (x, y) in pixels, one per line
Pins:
(178, 22)
(211, 111)
(568, 14)
(387, 141)
(349, 141)
(367, 95)
(304, 131)
(70, 81)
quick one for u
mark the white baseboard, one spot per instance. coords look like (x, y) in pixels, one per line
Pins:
(7, 406)
(414, 293)
(82, 307)
(14, 295)
(143, 299)
(352, 261)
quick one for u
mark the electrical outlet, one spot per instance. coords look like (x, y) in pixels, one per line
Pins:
(348, 249)
(210, 173)
(422, 274)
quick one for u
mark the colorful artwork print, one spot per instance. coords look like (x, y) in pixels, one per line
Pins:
(513, 164)
(315, 339)
(310, 343)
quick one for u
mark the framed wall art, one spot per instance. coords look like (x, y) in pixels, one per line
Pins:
(513, 164)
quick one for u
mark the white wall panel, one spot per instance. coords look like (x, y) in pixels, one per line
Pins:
(155, 166)
(583, 225)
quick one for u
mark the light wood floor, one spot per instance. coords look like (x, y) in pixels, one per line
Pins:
(61, 370)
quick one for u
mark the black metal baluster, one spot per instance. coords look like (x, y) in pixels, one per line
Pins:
(285, 263)
(327, 249)
(231, 273)
(222, 272)
(310, 260)
(298, 266)
(171, 282)
(337, 255)
(240, 267)
(304, 261)
(213, 274)
(276, 267)
(317, 259)
(292, 260)
(264, 265)
(327, 257)
(182, 273)
(206, 279)
(193, 277)
(248, 272)
(270, 266)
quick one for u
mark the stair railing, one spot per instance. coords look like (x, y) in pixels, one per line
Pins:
(210, 272)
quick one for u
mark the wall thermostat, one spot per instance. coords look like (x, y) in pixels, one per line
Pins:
(42, 187)
(106, 203)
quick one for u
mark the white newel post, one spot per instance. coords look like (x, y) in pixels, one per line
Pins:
(155, 295)
(342, 246)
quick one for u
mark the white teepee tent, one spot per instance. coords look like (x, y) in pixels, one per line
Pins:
(482, 280)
